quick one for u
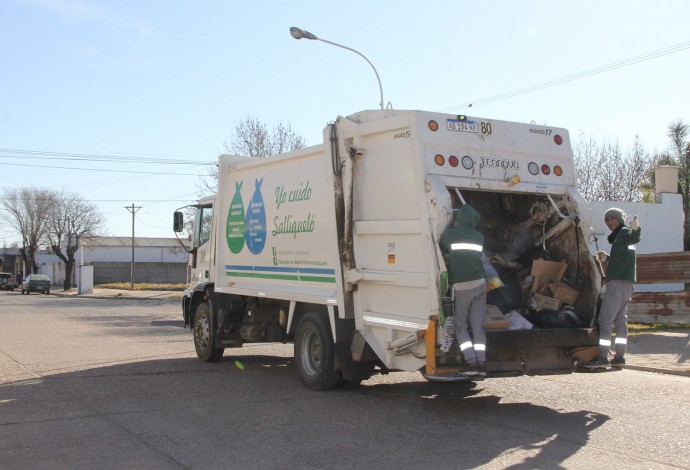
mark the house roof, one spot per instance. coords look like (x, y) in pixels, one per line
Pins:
(138, 241)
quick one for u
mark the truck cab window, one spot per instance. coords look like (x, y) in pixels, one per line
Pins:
(203, 225)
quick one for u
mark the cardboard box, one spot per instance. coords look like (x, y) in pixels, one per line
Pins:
(494, 319)
(562, 292)
(546, 271)
(547, 303)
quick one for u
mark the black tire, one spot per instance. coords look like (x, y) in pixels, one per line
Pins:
(203, 337)
(315, 353)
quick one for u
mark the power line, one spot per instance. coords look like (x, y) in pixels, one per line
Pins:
(52, 155)
(101, 169)
(575, 76)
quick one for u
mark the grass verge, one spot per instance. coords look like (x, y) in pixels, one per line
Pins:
(647, 327)
(143, 286)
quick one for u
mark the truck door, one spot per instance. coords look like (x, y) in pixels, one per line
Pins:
(201, 260)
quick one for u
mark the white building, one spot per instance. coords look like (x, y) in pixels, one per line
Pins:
(119, 249)
(156, 260)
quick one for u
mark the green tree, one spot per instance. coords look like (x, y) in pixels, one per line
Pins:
(679, 154)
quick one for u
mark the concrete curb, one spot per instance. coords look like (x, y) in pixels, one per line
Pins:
(110, 297)
(659, 370)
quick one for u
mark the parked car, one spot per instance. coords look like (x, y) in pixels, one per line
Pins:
(36, 283)
(7, 281)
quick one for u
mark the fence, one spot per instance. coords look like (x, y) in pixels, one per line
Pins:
(662, 307)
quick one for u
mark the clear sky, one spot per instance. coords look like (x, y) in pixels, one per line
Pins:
(161, 84)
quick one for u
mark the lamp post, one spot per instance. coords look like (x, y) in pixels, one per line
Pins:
(298, 33)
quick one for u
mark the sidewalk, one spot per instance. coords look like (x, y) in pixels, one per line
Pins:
(666, 352)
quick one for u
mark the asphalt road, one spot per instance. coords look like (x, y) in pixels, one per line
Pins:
(92, 383)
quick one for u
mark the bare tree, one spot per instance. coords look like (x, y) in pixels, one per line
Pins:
(252, 138)
(606, 172)
(635, 175)
(71, 221)
(586, 161)
(27, 210)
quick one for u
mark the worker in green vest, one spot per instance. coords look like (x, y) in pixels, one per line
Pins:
(618, 288)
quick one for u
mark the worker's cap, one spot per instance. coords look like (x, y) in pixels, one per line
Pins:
(615, 214)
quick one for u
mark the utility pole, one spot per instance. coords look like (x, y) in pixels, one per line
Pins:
(133, 209)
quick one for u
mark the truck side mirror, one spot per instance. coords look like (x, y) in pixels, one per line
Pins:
(178, 222)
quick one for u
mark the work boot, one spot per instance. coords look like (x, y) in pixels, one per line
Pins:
(597, 363)
(468, 369)
(618, 362)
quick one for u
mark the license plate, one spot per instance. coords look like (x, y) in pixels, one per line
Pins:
(462, 126)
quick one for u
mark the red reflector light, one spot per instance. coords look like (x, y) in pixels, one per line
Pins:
(453, 161)
(558, 139)
(545, 169)
(439, 159)
(557, 170)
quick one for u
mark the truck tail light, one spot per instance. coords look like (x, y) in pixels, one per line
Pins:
(439, 159)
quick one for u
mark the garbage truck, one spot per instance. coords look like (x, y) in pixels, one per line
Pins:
(335, 248)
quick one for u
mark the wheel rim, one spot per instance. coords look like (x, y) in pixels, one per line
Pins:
(201, 332)
(312, 352)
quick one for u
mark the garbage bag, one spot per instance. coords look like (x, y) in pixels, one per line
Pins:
(493, 280)
(517, 321)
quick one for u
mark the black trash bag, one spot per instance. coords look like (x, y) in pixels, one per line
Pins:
(508, 296)
(556, 319)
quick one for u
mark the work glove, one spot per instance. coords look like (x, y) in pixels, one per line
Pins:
(634, 224)
(601, 256)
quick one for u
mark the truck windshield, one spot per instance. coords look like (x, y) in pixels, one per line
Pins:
(203, 225)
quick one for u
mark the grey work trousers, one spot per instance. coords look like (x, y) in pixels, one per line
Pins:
(469, 305)
(613, 315)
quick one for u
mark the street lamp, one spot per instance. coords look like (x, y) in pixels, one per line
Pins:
(298, 33)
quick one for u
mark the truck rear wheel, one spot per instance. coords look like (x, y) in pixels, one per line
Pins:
(315, 353)
(203, 335)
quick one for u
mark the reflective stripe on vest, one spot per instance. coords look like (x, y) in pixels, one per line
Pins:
(466, 246)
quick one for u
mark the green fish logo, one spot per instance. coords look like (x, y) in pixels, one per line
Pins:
(234, 228)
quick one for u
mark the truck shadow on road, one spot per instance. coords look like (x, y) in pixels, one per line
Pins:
(168, 403)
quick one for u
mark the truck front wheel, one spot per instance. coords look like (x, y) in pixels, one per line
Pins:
(315, 353)
(203, 335)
